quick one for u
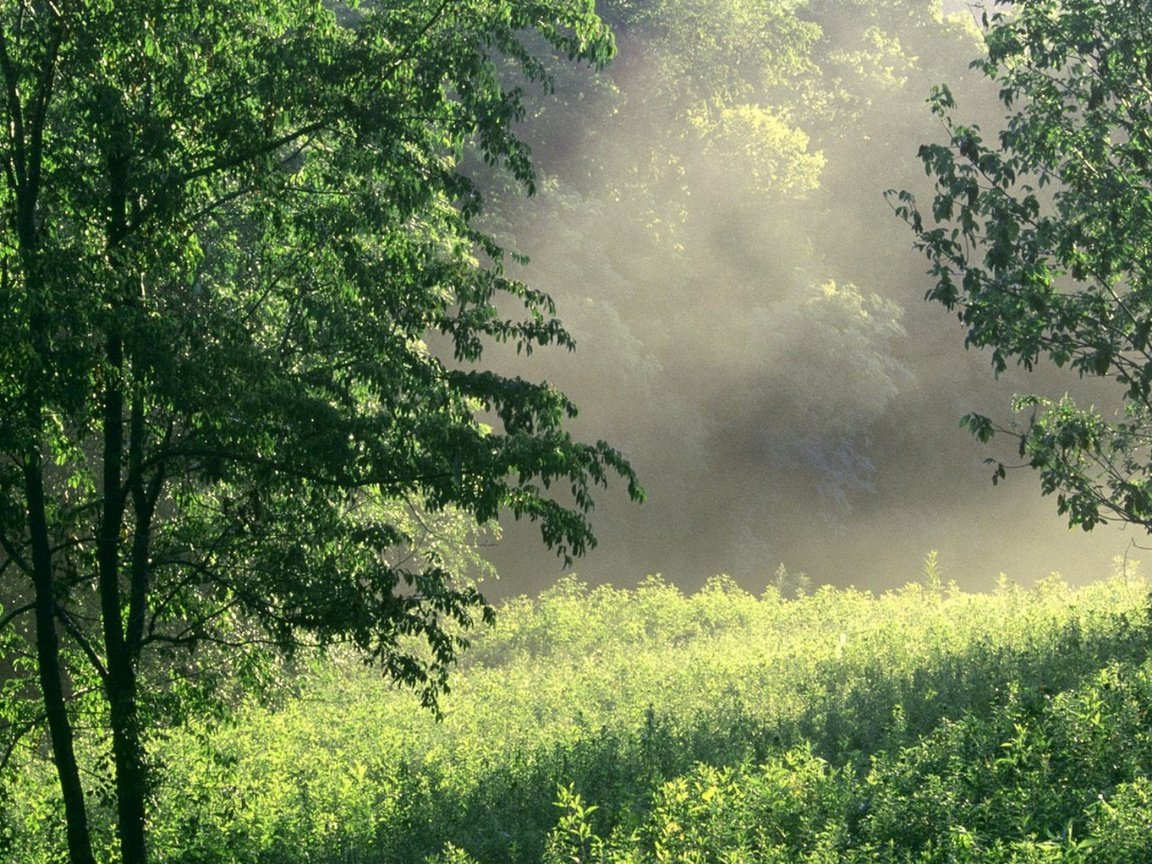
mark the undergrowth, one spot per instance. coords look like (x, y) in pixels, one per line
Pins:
(597, 724)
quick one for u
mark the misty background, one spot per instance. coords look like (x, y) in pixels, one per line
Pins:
(749, 313)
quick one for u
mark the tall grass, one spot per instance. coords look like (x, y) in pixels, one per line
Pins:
(925, 724)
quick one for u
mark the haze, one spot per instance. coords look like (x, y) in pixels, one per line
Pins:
(748, 311)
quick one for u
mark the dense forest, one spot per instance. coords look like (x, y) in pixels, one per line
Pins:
(295, 445)
(749, 315)
(750, 319)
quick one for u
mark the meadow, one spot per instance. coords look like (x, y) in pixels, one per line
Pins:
(605, 725)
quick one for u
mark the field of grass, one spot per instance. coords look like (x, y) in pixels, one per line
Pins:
(594, 724)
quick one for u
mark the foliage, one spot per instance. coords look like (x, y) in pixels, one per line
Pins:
(839, 726)
(697, 199)
(758, 141)
(1039, 240)
(243, 305)
(829, 368)
(713, 74)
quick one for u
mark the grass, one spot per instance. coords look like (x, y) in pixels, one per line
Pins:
(597, 724)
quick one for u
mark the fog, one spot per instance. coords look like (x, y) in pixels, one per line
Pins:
(749, 314)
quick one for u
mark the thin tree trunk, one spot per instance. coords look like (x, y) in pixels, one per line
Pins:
(120, 684)
(48, 660)
(26, 121)
(129, 759)
(49, 667)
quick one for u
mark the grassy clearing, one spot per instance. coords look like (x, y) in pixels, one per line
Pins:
(925, 724)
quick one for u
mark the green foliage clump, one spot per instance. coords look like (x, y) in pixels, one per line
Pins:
(1037, 236)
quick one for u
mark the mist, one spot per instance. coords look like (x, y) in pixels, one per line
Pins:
(749, 312)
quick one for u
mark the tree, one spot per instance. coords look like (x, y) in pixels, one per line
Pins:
(1040, 240)
(242, 307)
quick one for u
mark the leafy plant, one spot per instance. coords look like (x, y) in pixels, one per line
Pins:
(1038, 240)
(839, 726)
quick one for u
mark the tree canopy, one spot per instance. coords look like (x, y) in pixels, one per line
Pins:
(696, 200)
(1039, 239)
(243, 305)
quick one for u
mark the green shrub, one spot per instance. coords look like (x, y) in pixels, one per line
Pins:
(923, 725)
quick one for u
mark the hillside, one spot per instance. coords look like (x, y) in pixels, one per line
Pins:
(925, 724)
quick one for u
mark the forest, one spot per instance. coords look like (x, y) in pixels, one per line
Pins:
(539, 431)
(750, 322)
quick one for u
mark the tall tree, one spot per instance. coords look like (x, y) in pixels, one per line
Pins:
(242, 309)
(1040, 240)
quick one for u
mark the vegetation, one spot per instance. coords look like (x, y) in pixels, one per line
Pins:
(711, 210)
(925, 724)
(1039, 240)
(251, 280)
(243, 304)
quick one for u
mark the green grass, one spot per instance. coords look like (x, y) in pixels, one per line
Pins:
(925, 724)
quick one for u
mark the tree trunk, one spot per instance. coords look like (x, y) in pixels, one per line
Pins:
(48, 663)
(120, 684)
(26, 121)
(129, 758)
